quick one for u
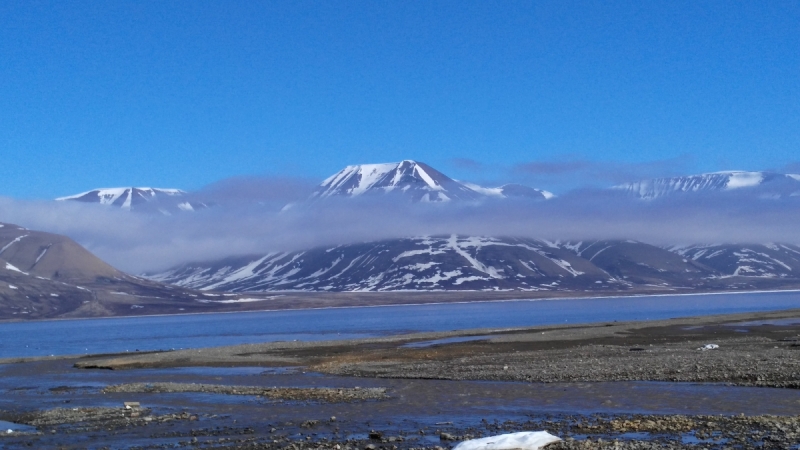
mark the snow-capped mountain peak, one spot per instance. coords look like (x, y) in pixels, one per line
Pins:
(712, 182)
(124, 197)
(130, 198)
(418, 180)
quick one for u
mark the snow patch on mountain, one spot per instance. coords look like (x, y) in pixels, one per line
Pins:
(753, 260)
(11, 267)
(13, 241)
(739, 180)
(453, 243)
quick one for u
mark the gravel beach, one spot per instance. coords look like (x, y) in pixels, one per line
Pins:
(215, 408)
(752, 349)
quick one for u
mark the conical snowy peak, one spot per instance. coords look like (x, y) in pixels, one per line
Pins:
(416, 180)
(781, 184)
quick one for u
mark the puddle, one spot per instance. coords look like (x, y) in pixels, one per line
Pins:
(451, 340)
(280, 370)
(11, 428)
(220, 371)
(636, 435)
(773, 322)
(715, 438)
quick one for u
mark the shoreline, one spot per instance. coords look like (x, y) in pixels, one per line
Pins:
(764, 355)
(388, 305)
(432, 335)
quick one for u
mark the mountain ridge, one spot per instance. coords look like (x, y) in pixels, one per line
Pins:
(475, 263)
(725, 181)
(138, 198)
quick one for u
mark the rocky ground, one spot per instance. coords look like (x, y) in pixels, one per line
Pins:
(750, 351)
(745, 361)
(635, 432)
(760, 350)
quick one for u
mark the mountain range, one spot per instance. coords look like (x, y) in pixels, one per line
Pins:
(501, 263)
(418, 182)
(402, 181)
(489, 264)
(47, 275)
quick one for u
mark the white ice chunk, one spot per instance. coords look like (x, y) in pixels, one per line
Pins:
(524, 440)
(709, 347)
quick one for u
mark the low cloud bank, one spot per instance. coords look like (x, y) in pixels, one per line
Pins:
(568, 173)
(249, 218)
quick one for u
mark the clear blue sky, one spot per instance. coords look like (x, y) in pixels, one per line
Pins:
(184, 93)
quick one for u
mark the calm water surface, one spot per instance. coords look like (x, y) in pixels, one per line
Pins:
(67, 337)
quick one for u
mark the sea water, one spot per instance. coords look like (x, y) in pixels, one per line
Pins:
(129, 334)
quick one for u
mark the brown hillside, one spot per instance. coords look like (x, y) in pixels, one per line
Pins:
(51, 256)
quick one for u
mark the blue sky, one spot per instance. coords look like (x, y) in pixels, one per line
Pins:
(555, 94)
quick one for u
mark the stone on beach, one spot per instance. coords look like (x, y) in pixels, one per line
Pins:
(709, 347)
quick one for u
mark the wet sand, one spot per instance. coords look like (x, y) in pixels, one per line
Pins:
(584, 383)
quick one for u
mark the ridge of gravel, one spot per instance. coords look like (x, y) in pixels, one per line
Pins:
(747, 361)
(330, 395)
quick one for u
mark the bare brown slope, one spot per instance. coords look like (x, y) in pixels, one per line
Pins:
(45, 275)
(51, 256)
